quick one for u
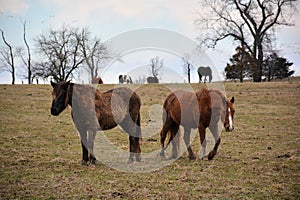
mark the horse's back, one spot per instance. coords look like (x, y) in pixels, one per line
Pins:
(184, 108)
(121, 101)
(83, 107)
(124, 94)
(218, 101)
(204, 70)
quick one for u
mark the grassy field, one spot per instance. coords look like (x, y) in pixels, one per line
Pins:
(40, 153)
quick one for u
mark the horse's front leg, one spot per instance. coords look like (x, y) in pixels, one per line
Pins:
(90, 143)
(85, 152)
(215, 132)
(131, 149)
(202, 133)
(186, 138)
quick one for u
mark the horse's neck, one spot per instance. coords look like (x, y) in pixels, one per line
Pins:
(70, 94)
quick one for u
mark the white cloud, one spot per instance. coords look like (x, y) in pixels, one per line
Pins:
(15, 7)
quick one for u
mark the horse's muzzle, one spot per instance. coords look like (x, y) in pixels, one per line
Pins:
(228, 129)
(54, 111)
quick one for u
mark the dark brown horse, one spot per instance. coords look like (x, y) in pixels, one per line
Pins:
(97, 80)
(152, 79)
(93, 110)
(204, 71)
(203, 109)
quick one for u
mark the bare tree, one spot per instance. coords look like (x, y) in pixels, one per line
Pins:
(7, 59)
(94, 52)
(62, 54)
(187, 66)
(26, 57)
(28, 61)
(156, 65)
(249, 22)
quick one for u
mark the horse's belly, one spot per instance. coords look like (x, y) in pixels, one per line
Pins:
(189, 122)
(190, 115)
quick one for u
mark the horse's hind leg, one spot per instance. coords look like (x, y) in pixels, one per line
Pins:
(134, 136)
(214, 130)
(163, 135)
(202, 133)
(186, 138)
(175, 134)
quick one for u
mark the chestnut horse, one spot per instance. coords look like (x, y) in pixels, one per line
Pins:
(203, 109)
(93, 110)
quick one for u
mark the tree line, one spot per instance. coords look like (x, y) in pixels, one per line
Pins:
(251, 24)
(242, 65)
(60, 53)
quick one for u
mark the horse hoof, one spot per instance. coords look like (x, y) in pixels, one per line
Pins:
(192, 157)
(162, 154)
(173, 157)
(84, 163)
(93, 163)
(138, 159)
(211, 155)
(130, 160)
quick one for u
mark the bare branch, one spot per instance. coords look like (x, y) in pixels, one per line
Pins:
(8, 57)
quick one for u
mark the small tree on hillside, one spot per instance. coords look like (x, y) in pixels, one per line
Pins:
(187, 66)
(7, 59)
(241, 65)
(156, 65)
(26, 58)
(276, 67)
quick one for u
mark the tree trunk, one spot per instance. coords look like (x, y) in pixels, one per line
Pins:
(257, 74)
(189, 72)
(29, 55)
(13, 75)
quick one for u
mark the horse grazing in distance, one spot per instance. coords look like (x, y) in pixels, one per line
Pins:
(204, 71)
(97, 80)
(152, 79)
(203, 109)
(93, 110)
(125, 79)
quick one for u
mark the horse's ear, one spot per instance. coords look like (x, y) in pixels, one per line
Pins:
(232, 100)
(53, 84)
(66, 85)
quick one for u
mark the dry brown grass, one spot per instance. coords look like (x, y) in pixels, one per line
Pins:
(40, 153)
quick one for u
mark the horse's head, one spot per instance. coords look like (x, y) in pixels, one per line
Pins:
(61, 96)
(229, 117)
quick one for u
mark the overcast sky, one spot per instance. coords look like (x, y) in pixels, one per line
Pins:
(107, 19)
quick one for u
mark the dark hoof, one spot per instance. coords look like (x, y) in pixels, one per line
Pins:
(130, 160)
(138, 158)
(211, 155)
(93, 162)
(192, 157)
(162, 154)
(84, 163)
